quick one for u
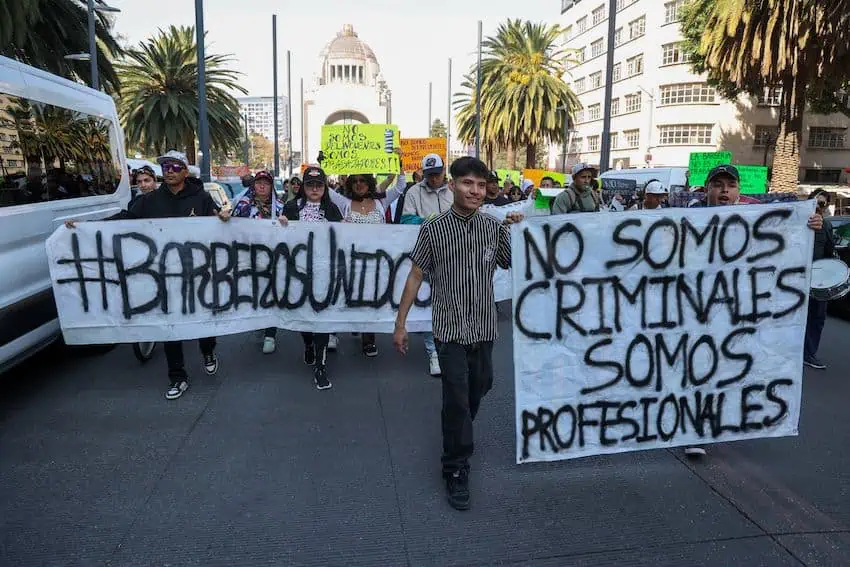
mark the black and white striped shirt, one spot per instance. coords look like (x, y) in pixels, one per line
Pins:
(460, 254)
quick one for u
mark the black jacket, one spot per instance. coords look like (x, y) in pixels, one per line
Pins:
(824, 242)
(292, 210)
(192, 201)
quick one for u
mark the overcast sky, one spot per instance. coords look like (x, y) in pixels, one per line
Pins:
(412, 39)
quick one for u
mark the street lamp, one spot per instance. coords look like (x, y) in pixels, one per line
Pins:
(103, 9)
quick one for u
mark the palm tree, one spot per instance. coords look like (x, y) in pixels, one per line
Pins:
(159, 94)
(524, 98)
(41, 32)
(800, 45)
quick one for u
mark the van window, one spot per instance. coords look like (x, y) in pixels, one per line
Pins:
(50, 153)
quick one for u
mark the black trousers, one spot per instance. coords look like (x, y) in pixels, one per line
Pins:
(270, 333)
(320, 341)
(467, 377)
(174, 356)
(814, 327)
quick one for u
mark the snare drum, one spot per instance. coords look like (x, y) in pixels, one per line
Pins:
(830, 279)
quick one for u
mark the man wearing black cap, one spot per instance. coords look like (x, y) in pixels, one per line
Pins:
(824, 247)
(494, 196)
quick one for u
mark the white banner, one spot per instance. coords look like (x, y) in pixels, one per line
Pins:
(658, 328)
(172, 279)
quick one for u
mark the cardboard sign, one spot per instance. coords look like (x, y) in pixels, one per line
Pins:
(415, 149)
(657, 329)
(700, 163)
(360, 148)
(753, 179)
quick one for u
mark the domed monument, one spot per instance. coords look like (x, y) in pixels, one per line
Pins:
(348, 89)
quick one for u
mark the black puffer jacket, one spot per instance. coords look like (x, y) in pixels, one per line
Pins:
(192, 201)
(292, 209)
(824, 242)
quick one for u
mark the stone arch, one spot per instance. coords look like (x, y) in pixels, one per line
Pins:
(346, 117)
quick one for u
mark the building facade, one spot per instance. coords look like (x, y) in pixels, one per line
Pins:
(348, 88)
(11, 157)
(661, 111)
(259, 111)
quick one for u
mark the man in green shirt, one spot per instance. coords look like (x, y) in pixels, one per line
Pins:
(579, 197)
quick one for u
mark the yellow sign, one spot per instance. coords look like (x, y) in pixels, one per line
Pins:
(360, 148)
(415, 149)
(536, 175)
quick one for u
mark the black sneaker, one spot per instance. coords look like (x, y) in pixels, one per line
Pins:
(210, 363)
(370, 350)
(813, 362)
(310, 355)
(320, 377)
(457, 486)
(176, 390)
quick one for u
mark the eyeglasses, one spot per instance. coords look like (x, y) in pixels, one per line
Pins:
(173, 167)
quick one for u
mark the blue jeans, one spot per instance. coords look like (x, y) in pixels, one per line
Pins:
(430, 347)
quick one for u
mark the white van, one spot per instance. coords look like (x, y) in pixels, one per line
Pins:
(674, 178)
(61, 157)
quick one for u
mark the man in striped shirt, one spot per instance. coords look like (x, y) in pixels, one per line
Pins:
(460, 248)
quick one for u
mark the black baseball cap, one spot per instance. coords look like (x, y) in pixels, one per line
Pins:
(494, 177)
(315, 174)
(729, 170)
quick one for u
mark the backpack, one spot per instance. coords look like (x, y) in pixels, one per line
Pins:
(576, 203)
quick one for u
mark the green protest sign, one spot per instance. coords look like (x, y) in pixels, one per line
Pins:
(700, 163)
(512, 174)
(360, 148)
(753, 179)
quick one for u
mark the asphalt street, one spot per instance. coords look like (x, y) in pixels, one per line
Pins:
(254, 466)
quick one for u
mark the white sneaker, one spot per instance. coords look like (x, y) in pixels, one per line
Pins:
(694, 452)
(434, 364)
(333, 342)
(269, 345)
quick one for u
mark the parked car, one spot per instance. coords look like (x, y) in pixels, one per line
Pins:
(841, 230)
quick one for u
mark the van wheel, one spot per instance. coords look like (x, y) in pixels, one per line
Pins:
(143, 351)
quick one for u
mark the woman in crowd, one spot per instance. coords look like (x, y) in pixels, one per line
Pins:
(261, 202)
(313, 204)
(515, 194)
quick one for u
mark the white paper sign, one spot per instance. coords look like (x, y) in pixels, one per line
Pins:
(659, 328)
(174, 279)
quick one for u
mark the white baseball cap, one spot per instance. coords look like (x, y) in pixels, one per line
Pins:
(579, 167)
(431, 164)
(655, 188)
(173, 155)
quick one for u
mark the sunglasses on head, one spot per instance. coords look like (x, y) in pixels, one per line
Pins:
(173, 167)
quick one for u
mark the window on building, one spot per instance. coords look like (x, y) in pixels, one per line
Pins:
(594, 111)
(615, 106)
(621, 4)
(580, 116)
(593, 143)
(632, 138)
(566, 5)
(827, 138)
(361, 74)
(581, 54)
(765, 136)
(671, 11)
(688, 93)
(637, 27)
(598, 14)
(580, 85)
(772, 96)
(618, 71)
(595, 80)
(50, 167)
(672, 54)
(685, 134)
(577, 146)
(614, 139)
(581, 24)
(814, 175)
(634, 65)
(596, 48)
(633, 102)
(568, 33)
(618, 36)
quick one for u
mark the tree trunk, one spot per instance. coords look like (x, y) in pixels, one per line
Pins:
(786, 155)
(511, 157)
(489, 152)
(191, 153)
(531, 156)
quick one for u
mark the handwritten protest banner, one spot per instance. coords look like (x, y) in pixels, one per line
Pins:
(659, 328)
(753, 179)
(360, 148)
(536, 175)
(700, 163)
(171, 279)
(513, 174)
(415, 149)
